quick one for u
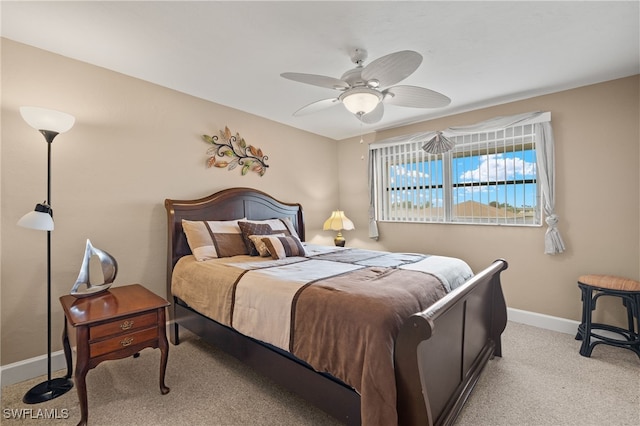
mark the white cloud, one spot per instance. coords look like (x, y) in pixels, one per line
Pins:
(495, 167)
(401, 172)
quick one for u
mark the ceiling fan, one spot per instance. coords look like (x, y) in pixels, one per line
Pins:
(365, 89)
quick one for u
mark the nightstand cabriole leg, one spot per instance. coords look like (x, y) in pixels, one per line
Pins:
(164, 349)
(67, 349)
(82, 366)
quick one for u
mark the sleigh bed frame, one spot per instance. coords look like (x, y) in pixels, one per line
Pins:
(439, 353)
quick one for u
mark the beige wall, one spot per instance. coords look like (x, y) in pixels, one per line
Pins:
(597, 138)
(135, 144)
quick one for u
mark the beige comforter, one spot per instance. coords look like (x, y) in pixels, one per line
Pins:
(339, 310)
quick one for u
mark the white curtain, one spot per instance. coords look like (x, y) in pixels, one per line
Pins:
(373, 224)
(545, 145)
(553, 243)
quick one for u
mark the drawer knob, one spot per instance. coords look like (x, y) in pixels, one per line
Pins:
(127, 341)
(126, 325)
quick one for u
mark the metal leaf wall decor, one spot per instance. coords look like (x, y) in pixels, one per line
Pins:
(235, 152)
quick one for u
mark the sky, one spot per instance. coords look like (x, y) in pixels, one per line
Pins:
(509, 166)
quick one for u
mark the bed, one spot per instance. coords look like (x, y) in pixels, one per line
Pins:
(438, 350)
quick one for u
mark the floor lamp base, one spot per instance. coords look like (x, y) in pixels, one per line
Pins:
(48, 390)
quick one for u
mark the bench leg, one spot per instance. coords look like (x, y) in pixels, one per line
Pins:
(584, 329)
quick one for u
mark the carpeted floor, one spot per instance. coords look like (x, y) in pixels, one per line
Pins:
(541, 380)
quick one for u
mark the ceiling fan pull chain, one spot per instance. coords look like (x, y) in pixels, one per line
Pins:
(361, 139)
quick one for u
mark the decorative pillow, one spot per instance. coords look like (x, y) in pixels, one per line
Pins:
(212, 239)
(277, 226)
(281, 247)
(253, 228)
(260, 246)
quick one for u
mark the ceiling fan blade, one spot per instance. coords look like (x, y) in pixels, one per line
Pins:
(316, 80)
(316, 106)
(415, 97)
(392, 68)
(374, 116)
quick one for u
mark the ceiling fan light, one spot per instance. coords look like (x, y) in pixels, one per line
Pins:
(361, 100)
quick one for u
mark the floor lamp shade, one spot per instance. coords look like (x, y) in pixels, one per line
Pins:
(47, 119)
(50, 123)
(39, 219)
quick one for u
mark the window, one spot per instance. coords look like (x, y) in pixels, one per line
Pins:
(487, 178)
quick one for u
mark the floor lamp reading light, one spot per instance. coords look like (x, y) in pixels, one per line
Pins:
(50, 123)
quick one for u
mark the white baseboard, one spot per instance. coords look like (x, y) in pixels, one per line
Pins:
(37, 366)
(547, 322)
(30, 368)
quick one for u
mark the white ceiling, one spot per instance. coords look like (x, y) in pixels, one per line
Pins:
(232, 53)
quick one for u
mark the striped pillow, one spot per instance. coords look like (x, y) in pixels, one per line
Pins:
(213, 239)
(260, 246)
(264, 227)
(281, 247)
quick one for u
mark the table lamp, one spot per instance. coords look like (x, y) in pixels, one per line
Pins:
(337, 222)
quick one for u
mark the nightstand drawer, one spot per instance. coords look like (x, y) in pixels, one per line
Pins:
(124, 325)
(123, 341)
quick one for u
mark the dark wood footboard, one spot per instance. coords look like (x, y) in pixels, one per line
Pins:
(441, 351)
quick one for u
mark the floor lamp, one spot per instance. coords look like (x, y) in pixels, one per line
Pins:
(50, 123)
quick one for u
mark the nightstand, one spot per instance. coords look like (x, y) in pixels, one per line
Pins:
(112, 325)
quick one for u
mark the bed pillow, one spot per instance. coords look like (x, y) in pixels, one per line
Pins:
(282, 224)
(281, 247)
(289, 225)
(260, 246)
(264, 227)
(212, 239)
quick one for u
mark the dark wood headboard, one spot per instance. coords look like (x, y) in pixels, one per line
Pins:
(228, 204)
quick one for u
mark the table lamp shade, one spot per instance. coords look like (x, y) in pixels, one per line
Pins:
(337, 222)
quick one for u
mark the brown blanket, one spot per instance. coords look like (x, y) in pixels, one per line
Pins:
(339, 312)
(347, 325)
